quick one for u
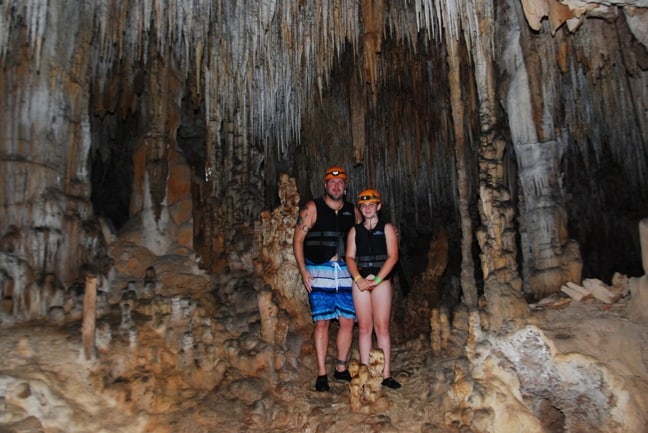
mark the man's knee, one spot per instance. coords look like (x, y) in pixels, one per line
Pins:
(322, 324)
(346, 323)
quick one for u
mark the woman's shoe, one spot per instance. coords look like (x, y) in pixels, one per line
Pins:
(390, 382)
(343, 375)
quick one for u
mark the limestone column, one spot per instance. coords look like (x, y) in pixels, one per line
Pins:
(45, 138)
(643, 238)
(161, 197)
(502, 284)
(551, 259)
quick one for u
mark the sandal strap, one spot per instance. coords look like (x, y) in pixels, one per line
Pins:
(341, 362)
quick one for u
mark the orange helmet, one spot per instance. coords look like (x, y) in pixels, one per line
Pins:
(335, 172)
(369, 196)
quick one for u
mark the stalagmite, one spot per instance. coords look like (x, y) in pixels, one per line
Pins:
(474, 334)
(126, 304)
(268, 311)
(359, 376)
(435, 332)
(446, 330)
(89, 316)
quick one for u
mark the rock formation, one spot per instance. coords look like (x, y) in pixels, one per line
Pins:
(164, 148)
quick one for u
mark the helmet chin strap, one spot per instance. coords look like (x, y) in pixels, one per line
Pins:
(371, 227)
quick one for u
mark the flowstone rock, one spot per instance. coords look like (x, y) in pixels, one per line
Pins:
(512, 375)
(277, 262)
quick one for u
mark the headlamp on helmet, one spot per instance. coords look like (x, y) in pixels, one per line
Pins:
(369, 196)
(335, 173)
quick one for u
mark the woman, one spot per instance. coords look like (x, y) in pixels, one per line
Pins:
(371, 254)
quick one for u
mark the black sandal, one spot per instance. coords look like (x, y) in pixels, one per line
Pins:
(390, 382)
(321, 384)
(344, 374)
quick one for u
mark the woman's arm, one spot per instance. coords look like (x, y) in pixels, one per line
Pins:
(392, 252)
(351, 251)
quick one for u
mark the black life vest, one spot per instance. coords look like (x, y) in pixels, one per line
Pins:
(328, 236)
(371, 249)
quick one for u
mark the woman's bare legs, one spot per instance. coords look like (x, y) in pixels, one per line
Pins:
(362, 302)
(381, 300)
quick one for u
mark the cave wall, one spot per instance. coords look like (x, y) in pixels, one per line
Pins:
(521, 123)
(46, 217)
(584, 110)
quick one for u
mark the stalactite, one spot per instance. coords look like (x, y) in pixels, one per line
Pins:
(373, 19)
(257, 69)
(285, 62)
(357, 109)
(37, 13)
(468, 285)
(124, 33)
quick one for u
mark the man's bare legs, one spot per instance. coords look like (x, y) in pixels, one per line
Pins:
(343, 345)
(321, 335)
(343, 341)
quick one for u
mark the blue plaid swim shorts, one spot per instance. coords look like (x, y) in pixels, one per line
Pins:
(331, 296)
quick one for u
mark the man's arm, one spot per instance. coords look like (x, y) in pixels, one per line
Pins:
(305, 221)
(358, 215)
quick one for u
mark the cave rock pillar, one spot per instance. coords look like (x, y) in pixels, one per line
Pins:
(502, 284)
(161, 205)
(550, 258)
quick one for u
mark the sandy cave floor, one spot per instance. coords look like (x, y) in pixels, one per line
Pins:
(64, 393)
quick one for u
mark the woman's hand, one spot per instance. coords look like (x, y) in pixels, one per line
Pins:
(365, 284)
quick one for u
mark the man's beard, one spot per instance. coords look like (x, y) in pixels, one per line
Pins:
(333, 197)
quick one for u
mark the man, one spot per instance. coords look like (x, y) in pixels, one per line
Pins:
(318, 243)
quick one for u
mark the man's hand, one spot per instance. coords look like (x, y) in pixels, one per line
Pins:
(306, 279)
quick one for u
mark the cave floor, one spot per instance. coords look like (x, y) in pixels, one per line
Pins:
(46, 385)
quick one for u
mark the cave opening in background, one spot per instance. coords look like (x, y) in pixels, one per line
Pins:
(191, 137)
(191, 140)
(111, 167)
(603, 214)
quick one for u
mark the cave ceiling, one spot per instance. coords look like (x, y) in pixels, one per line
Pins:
(517, 127)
